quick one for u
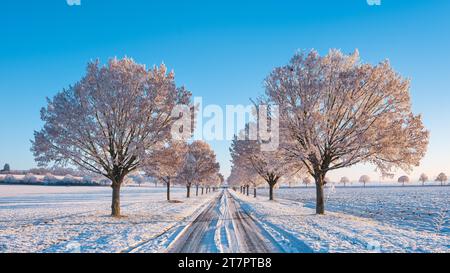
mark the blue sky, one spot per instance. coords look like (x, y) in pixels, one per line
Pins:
(220, 50)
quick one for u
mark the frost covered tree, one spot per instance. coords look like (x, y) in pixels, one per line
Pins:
(69, 179)
(30, 178)
(199, 165)
(255, 181)
(442, 177)
(87, 179)
(336, 111)
(50, 179)
(403, 179)
(423, 178)
(6, 168)
(139, 179)
(344, 180)
(364, 179)
(166, 163)
(268, 164)
(221, 180)
(9, 178)
(234, 179)
(307, 180)
(109, 121)
(213, 182)
(246, 176)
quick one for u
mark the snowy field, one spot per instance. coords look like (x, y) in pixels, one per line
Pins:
(73, 219)
(386, 219)
(419, 208)
(372, 219)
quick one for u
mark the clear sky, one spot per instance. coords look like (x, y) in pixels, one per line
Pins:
(220, 50)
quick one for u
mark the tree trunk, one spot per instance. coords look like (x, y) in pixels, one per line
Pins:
(188, 191)
(196, 190)
(254, 192)
(115, 206)
(202, 190)
(320, 202)
(168, 190)
(271, 192)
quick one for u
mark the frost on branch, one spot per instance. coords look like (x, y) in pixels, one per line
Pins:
(344, 180)
(403, 179)
(336, 111)
(364, 179)
(442, 177)
(110, 120)
(250, 160)
(166, 163)
(199, 166)
(423, 178)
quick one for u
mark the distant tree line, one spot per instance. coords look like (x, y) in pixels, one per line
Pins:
(58, 171)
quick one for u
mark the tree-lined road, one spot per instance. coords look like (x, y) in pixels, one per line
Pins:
(223, 226)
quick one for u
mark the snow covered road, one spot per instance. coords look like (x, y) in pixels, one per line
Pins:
(224, 227)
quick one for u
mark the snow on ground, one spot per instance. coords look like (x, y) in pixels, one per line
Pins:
(419, 208)
(394, 219)
(72, 219)
(224, 227)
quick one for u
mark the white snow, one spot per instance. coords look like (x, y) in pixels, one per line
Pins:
(413, 207)
(76, 219)
(391, 219)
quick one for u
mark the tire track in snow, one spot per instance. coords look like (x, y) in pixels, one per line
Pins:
(224, 227)
(165, 238)
(279, 237)
(194, 237)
